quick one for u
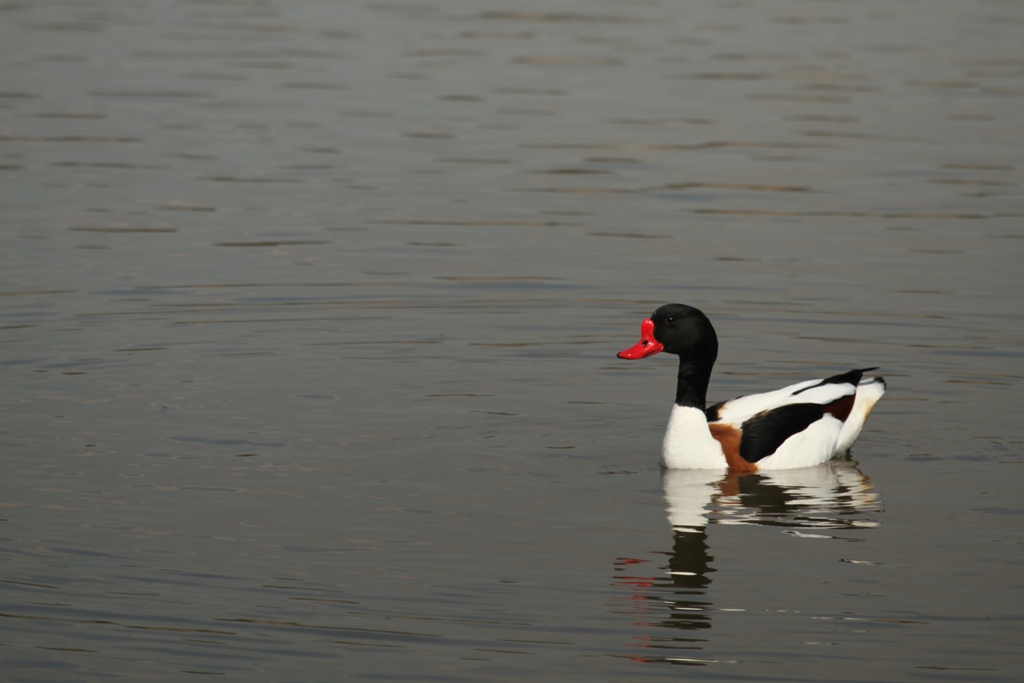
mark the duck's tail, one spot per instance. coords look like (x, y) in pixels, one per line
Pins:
(868, 392)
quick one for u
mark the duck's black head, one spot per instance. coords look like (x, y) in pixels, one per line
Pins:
(679, 329)
(686, 332)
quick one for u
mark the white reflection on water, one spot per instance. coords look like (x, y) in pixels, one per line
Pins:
(831, 496)
(820, 497)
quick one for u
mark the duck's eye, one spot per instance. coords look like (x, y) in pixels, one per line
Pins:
(670, 319)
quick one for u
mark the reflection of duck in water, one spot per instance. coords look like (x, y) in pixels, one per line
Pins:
(831, 496)
(820, 497)
(801, 425)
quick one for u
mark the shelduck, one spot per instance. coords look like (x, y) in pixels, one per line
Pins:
(800, 425)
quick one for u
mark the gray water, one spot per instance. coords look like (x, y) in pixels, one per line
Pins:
(310, 312)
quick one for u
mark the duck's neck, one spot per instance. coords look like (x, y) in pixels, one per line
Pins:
(692, 384)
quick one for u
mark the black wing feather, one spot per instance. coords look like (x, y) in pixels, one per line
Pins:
(712, 413)
(764, 433)
(852, 377)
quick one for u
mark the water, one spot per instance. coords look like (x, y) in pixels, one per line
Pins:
(310, 312)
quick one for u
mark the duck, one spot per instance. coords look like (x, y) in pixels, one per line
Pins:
(801, 425)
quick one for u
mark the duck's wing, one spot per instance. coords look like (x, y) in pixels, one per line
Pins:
(767, 420)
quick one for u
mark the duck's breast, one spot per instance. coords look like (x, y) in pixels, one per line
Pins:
(688, 442)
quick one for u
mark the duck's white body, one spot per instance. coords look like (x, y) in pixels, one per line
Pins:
(801, 425)
(690, 444)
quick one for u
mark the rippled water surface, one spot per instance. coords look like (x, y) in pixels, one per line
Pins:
(309, 314)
